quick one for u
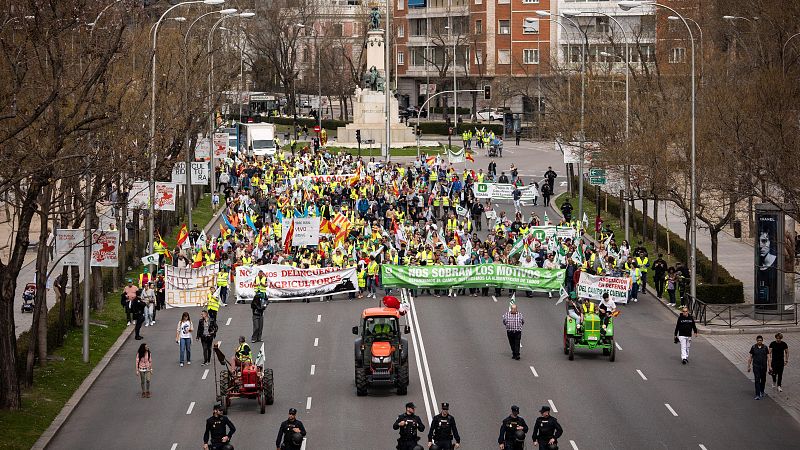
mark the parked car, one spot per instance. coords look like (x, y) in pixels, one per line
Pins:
(489, 114)
(411, 112)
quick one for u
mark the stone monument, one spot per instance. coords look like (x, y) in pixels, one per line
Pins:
(369, 100)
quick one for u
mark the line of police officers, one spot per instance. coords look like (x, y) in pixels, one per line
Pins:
(443, 430)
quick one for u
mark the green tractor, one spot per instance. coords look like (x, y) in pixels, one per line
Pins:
(590, 335)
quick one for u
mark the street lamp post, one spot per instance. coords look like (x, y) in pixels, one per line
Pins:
(626, 6)
(152, 162)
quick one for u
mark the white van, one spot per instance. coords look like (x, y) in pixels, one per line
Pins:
(259, 138)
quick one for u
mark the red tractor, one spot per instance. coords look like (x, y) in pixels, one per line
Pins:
(251, 380)
(381, 353)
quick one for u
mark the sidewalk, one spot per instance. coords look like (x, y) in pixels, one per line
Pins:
(737, 347)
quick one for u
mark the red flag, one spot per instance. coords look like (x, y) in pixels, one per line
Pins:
(183, 234)
(289, 236)
(470, 158)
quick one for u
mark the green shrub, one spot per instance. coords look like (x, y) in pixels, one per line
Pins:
(309, 122)
(24, 339)
(732, 292)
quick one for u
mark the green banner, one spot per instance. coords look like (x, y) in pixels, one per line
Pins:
(495, 275)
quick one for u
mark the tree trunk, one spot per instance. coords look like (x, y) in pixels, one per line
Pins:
(621, 212)
(61, 295)
(655, 221)
(714, 232)
(77, 303)
(645, 205)
(750, 219)
(98, 293)
(687, 236)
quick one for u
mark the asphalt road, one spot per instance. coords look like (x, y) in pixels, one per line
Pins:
(644, 400)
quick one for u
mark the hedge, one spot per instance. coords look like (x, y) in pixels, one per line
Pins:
(443, 128)
(727, 290)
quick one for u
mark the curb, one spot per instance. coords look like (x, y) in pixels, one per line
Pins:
(77, 396)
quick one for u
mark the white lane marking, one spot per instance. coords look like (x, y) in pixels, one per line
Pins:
(228, 321)
(191, 407)
(574, 445)
(617, 344)
(671, 410)
(703, 447)
(313, 368)
(308, 403)
(319, 318)
(174, 446)
(534, 372)
(434, 403)
(262, 351)
(205, 374)
(641, 374)
(416, 341)
(552, 405)
(494, 298)
(316, 342)
(303, 447)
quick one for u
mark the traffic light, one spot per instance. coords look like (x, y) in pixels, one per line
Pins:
(487, 92)
(358, 136)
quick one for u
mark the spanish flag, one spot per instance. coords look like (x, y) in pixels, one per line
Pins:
(431, 160)
(224, 232)
(183, 234)
(289, 236)
(470, 158)
(164, 246)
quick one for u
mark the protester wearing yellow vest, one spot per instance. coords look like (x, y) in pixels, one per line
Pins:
(222, 284)
(212, 304)
(372, 277)
(644, 263)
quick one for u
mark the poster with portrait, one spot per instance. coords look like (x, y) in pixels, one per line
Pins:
(766, 258)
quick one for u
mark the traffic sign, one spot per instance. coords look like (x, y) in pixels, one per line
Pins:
(597, 177)
(316, 129)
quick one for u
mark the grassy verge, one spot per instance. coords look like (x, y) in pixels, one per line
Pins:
(54, 384)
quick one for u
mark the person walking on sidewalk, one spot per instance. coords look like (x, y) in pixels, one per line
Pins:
(758, 360)
(514, 320)
(684, 330)
(778, 358)
(144, 368)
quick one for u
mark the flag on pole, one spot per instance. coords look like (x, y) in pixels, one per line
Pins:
(564, 295)
(228, 223)
(150, 259)
(470, 158)
(287, 245)
(201, 240)
(518, 246)
(249, 221)
(183, 234)
(585, 220)
(546, 220)
(431, 160)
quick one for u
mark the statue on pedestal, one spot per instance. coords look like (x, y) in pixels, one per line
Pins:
(373, 81)
(375, 19)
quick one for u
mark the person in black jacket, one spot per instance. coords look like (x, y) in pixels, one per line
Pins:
(288, 438)
(443, 430)
(258, 305)
(546, 430)
(683, 333)
(508, 431)
(137, 311)
(409, 425)
(219, 430)
(206, 332)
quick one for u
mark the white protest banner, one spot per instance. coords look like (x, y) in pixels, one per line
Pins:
(179, 173)
(68, 242)
(455, 157)
(150, 260)
(203, 149)
(166, 196)
(306, 231)
(199, 174)
(461, 211)
(287, 282)
(220, 147)
(105, 248)
(187, 286)
(328, 178)
(501, 191)
(593, 287)
(543, 233)
(139, 195)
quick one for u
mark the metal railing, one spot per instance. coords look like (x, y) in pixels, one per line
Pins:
(742, 315)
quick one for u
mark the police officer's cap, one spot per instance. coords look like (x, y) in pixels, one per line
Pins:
(218, 407)
(445, 406)
(292, 411)
(410, 405)
(544, 408)
(514, 408)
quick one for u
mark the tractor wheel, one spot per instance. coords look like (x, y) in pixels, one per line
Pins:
(269, 387)
(606, 352)
(402, 380)
(262, 402)
(571, 351)
(613, 352)
(566, 346)
(361, 381)
(223, 384)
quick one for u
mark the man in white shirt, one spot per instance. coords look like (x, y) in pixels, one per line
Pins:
(527, 262)
(608, 303)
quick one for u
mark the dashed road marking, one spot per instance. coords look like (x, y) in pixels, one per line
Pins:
(308, 403)
(641, 374)
(534, 372)
(228, 322)
(303, 447)
(313, 368)
(552, 406)
(191, 407)
(174, 446)
(618, 346)
(574, 445)
(316, 342)
(703, 447)
(205, 374)
(671, 410)
(494, 298)
(319, 318)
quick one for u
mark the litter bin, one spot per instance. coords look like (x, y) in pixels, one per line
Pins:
(737, 229)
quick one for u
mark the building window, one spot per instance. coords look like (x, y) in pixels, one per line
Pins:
(503, 2)
(401, 30)
(503, 27)
(400, 5)
(401, 59)
(677, 55)
(338, 29)
(528, 2)
(530, 25)
(418, 27)
(503, 57)
(479, 26)
(478, 57)
(530, 56)
(478, 2)
(603, 25)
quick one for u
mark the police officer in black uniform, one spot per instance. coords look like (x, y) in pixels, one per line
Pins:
(546, 430)
(219, 430)
(443, 430)
(512, 424)
(409, 425)
(291, 433)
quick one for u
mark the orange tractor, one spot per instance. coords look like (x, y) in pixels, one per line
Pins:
(381, 353)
